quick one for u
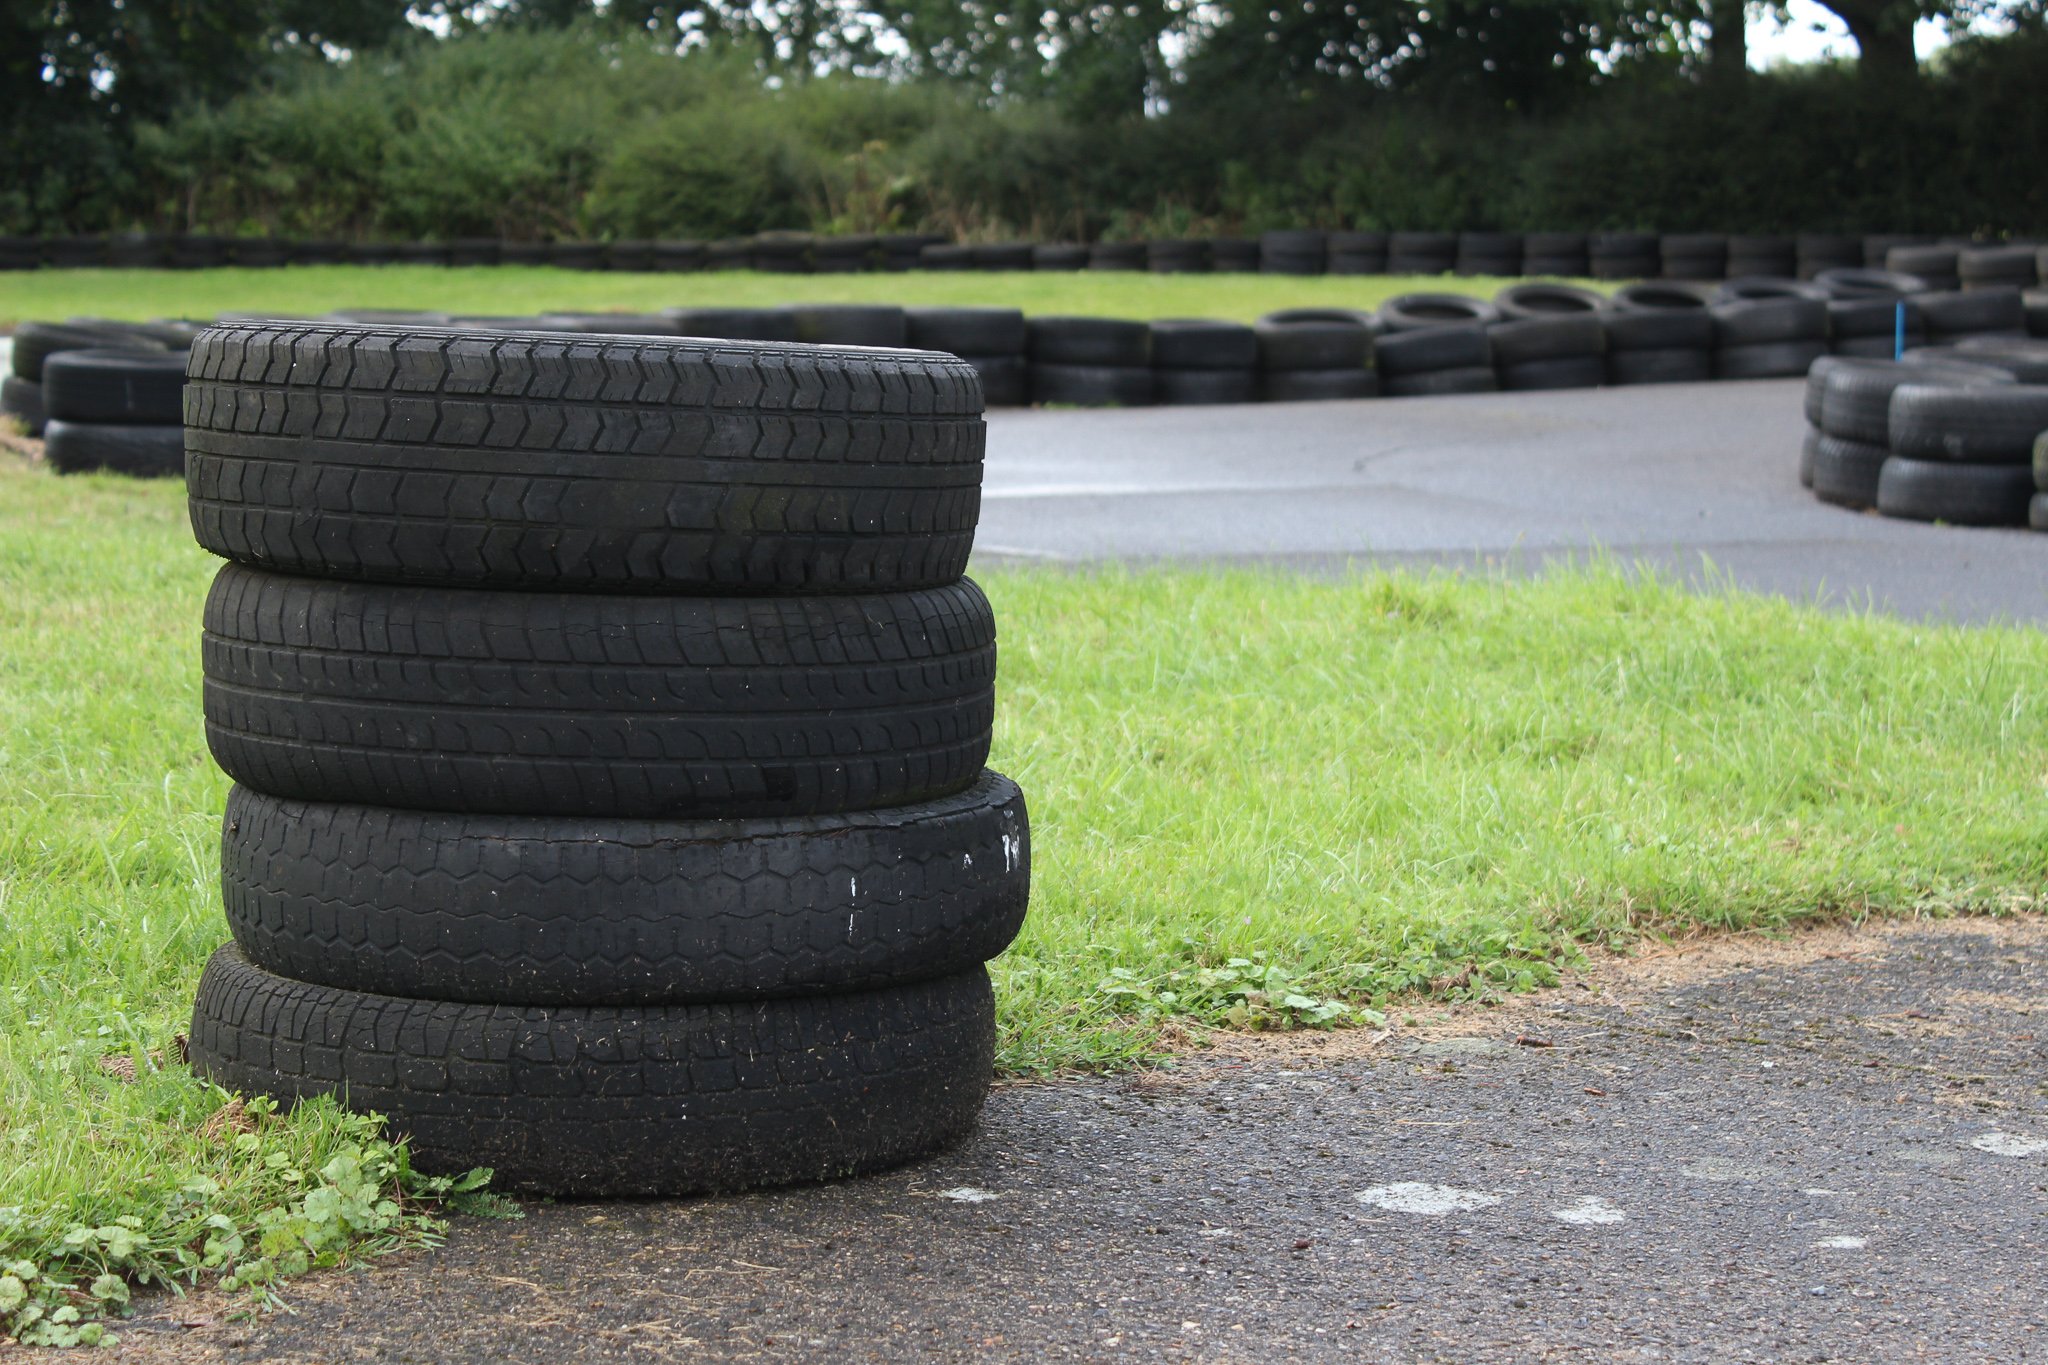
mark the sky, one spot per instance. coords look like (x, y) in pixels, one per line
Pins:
(1812, 34)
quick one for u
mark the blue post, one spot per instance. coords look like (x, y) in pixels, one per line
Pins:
(1899, 331)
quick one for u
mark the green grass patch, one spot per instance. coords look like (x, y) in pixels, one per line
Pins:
(1258, 801)
(526, 290)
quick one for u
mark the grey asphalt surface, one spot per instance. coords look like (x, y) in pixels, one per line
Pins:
(1675, 475)
(1830, 1149)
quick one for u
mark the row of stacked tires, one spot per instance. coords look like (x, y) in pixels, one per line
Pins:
(1955, 434)
(608, 729)
(109, 390)
(1951, 262)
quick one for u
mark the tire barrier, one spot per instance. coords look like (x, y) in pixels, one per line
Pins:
(1943, 434)
(1699, 256)
(608, 718)
(1647, 332)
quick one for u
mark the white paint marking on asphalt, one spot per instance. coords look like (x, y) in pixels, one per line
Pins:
(1590, 1211)
(2009, 1144)
(1214, 1232)
(968, 1194)
(1723, 1170)
(1842, 1243)
(1415, 1196)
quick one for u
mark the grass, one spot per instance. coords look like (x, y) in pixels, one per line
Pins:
(526, 290)
(1258, 801)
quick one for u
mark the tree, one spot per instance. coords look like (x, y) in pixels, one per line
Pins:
(75, 76)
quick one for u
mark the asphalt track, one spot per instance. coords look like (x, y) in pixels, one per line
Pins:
(1834, 1148)
(1697, 479)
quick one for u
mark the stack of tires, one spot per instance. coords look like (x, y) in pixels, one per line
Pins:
(1422, 253)
(1435, 344)
(1198, 361)
(1930, 438)
(1308, 355)
(1768, 328)
(1659, 333)
(115, 409)
(608, 718)
(1293, 252)
(1864, 318)
(1090, 362)
(1358, 253)
(1550, 337)
(1767, 255)
(1623, 255)
(992, 340)
(1848, 414)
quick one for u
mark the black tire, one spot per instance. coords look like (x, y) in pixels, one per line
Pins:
(1005, 379)
(1415, 312)
(1177, 256)
(1312, 345)
(1203, 344)
(1983, 424)
(1759, 322)
(1434, 348)
(1464, 379)
(1293, 252)
(1562, 267)
(1356, 263)
(549, 911)
(1876, 316)
(1692, 256)
(850, 324)
(1089, 341)
(735, 324)
(1677, 296)
(1806, 456)
(1116, 256)
(1001, 255)
(22, 399)
(1666, 365)
(1658, 329)
(1367, 243)
(1848, 283)
(1421, 253)
(1758, 255)
(36, 342)
(523, 703)
(1750, 288)
(89, 447)
(132, 387)
(1950, 314)
(1852, 399)
(1993, 267)
(1816, 252)
(2037, 512)
(1489, 253)
(1317, 386)
(966, 331)
(1092, 386)
(611, 1101)
(1197, 388)
(1560, 336)
(1351, 317)
(1522, 301)
(1768, 359)
(1059, 256)
(1563, 372)
(1959, 493)
(1869, 347)
(1622, 255)
(1237, 255)
(1845, 473)
(2024, 358)
(678, 256)
(656, 465)
(840, 255)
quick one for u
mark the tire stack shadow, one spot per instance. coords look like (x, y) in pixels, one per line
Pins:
(608, 717)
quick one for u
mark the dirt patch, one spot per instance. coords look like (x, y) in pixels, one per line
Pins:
(1622, 980)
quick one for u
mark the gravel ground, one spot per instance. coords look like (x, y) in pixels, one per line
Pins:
(1833, 1147)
